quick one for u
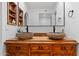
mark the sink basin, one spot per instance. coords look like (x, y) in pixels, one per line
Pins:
(24, 35)
(56, 35)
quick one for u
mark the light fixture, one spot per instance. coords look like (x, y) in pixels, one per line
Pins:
(70, 13)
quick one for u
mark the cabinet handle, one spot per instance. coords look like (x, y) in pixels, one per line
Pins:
(39, 47)
(17, 48)
(63, 48)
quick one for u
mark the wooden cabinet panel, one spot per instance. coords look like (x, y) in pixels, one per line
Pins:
(22, 53)
(58, 53)
(52, 48)
(40, 47)
(55, 47)
(11, 13)
(17, 50)
(70, 49)
(64, 50)
(40, 53)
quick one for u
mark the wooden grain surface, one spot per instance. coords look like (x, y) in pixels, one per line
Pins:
(44, 39)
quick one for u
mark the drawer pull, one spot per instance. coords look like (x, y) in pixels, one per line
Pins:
(17, 48)
(63, 48)
(40, 47)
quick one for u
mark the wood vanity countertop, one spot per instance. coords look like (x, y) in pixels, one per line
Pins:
(43, 39)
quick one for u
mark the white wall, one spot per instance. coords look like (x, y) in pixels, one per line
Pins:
(0, 28)
(8, 31)
(72, 23)
(71, 27)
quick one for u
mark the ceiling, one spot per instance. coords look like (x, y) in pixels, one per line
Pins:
(41, 5)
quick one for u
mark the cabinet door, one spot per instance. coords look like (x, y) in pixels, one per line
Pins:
(22, 53)
(10, 49)
(17, 50)
(63, 50)
(70, 49)
(60, 53)
(22, 50)
(56, 50)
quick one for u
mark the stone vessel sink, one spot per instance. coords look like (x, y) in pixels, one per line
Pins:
(24, 35)
(56, 35)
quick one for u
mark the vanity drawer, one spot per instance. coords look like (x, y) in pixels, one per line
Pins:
(40, 53)
(22, 47)
(69, 46)
(70, 49)
(40, 47)
(63, 50)
(56, 47)
(17, 49)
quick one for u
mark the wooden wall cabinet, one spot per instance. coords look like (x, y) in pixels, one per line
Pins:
(40, 48)
(11, 13)
(14, 14)
(20, 17)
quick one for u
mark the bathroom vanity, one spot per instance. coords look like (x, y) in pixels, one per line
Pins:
(41, 46)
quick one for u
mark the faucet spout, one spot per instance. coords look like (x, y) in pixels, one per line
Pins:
(27, 28)
(54, 29)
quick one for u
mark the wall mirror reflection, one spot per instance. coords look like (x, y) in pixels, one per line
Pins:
(44, 15)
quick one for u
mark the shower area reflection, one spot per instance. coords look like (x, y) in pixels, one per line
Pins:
(45, 16)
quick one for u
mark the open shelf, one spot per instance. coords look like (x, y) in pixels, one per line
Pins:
(11, 13)
(12, 10)
(12, 16)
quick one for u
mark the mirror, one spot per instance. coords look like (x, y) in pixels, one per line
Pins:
(45, 14)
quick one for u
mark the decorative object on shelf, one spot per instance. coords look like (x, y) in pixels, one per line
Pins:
(11, 13)
(70, 13)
